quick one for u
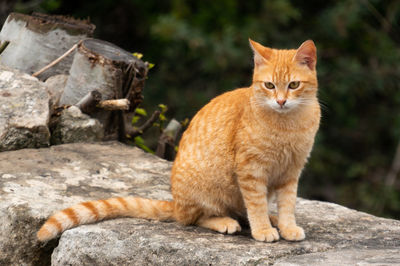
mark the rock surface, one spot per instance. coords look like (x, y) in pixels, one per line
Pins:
(55, 86)
(35, 183)
(350, 256)
(24, 111)
(74, 126)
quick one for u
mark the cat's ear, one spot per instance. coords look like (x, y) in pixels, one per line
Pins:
(261, 53)
(307, 54)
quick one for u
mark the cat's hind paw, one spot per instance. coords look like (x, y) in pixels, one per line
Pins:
(266, 235)
(292, 233)
(225, 225)
(229, 226)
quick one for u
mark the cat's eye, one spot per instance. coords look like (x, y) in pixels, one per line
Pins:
(294, 85)
(269, 85)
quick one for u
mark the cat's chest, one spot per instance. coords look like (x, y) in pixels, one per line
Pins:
(280, 150)
(284, 148)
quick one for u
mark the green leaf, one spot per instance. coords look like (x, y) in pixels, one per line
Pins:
(162, 117)
(151, 65)
(137, 55)
(139, 141)
(141, 111)
(163, 107)
(135, 119)
(185, 122)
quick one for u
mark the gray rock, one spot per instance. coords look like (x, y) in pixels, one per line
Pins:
(345, 257)
(74, 126)
(137, 242)
(35, 183)
(55, 86)
(24, 111)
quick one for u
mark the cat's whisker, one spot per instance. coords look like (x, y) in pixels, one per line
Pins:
(323, 105)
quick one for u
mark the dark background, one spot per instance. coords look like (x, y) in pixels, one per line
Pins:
(200, 49)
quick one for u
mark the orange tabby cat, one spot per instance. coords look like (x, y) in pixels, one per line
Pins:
(240, 149)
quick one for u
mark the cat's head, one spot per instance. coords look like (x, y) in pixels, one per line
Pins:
(284, 80)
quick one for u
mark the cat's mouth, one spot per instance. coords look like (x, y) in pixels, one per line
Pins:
(282, 109)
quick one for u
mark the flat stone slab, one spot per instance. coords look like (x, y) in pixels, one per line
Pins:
(345, 257)
(24, 111)
(36, 182)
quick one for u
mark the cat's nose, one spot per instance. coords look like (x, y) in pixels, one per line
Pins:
(281, 102)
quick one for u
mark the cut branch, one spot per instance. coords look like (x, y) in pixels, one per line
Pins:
(3, 46)
(139, 131)
(166, 143)
(119, 104)
(88, 104)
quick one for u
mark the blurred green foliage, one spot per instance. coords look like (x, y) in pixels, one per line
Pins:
(201, 49)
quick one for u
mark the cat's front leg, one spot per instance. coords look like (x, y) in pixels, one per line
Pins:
(254, 192)
(286, 200)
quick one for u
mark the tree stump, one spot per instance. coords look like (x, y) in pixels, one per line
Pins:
(114, 73)
(37, 40)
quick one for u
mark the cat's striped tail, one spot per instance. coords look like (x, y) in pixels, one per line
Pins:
(93, 211)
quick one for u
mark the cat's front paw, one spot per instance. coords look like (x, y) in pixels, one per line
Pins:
(266, 235)
(292, 233)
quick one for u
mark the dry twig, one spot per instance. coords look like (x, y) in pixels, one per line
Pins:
(58, 60)
(3, 46)
(139, 131)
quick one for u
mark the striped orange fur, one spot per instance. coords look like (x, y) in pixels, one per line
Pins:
(239, 150)
(93, 211)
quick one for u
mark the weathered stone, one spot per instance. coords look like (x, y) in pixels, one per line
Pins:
(138, 242)
(24, 111)
(345, 257)
(35, 183)
(74, 126)
(55, 86)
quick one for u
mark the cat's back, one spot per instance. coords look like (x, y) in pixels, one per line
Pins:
(218, 118)
(212, 129)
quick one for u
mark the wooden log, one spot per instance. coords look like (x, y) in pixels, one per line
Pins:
(39, 39)
(100, 65)
(114, 72)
